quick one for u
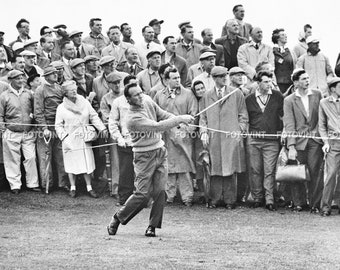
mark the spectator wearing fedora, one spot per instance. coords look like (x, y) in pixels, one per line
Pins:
(16, 107)
(92, 65)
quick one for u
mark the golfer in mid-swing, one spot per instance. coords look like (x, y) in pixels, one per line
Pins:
(145, 122)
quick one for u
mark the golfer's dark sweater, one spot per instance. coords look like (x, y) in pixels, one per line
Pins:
(269, 121)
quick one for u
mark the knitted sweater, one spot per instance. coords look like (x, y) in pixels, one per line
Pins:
(146, 123)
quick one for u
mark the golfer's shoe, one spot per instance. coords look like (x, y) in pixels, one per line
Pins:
(93, 194)
(150, 232)
(113, 226)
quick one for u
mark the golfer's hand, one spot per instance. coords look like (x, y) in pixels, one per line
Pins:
(292, 154)
(326, 148)
(205, 139)
(121, 142)
(47, 133)
(105, 134)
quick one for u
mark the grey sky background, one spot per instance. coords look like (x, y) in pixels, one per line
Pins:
(289, 14)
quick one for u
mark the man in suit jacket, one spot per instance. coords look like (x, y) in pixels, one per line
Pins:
(207, 36)
(67, 50)
(245, 28)
(46, 55)
(116, 48)
(231, 42)
(8, 50)
(301, 118)
(82, 49)
(170, 56)
(131, 64)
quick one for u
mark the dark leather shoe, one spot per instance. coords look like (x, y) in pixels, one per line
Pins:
(113, 226)
(150, 232)
(270, 207)
(93, 194)
(257, 205)
(230, 206)
(15, 191)
(325, 213)
(73, 193)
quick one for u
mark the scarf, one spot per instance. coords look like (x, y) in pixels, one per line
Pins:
(75, 107)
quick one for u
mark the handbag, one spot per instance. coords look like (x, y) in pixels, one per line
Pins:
(292, 172)
(90, 133)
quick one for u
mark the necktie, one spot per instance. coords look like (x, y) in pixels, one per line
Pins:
(256, 46)
(78, 52)
(49, 56)
(132, 70)
(219, 95)
(148, 46)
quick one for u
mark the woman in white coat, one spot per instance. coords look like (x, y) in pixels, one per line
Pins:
(73, 117)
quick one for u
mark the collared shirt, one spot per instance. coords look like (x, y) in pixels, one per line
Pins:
(66, 61)
(261, 99)
(100, 41)
(220, 90)
(147, 79)
(305, 100)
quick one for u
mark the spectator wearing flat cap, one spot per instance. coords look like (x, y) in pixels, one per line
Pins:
(236, 77)
(96, 38)
(207, 41)
(317, 65)
(46, 54)
(67, 53)
(197, 69)
(73, 116)
(231, 42)
(59, 66)
(147, 45)
(132, 63)
(149, 77)
(92, 65)
(16, 107)
(84, 81)
(170, 56)
(46, 100)
(207, 60)
(116, 48)
(156, 25)
(30, 67)
(329, 119)
(82, 49)
(9, 54)
(180, 26)
(31, 45)
(100, 86)
(227, 155)
(23, 27)
(187, 47)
